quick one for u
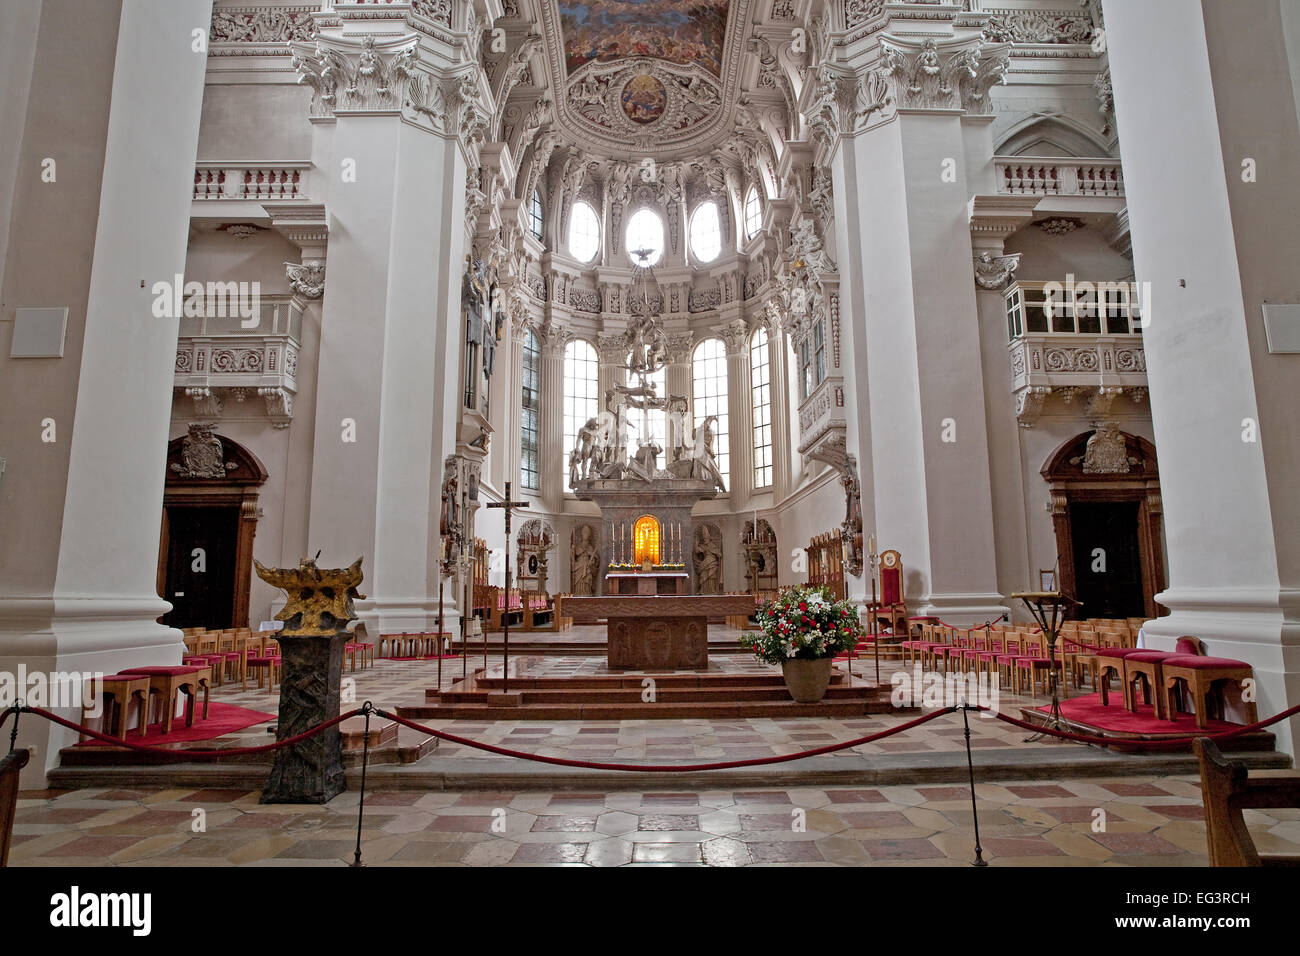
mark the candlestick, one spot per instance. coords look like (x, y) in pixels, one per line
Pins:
(871, 544)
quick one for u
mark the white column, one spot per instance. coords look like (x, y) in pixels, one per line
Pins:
(551, 459)
(1213, 248)
(901, 220)
(735, 335)
(82, 494)
(510, 450)
(388, 404)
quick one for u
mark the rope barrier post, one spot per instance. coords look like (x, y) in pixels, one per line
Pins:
(970, 769)
(17, 709)
(366, 709)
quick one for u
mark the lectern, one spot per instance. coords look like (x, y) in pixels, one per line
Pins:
(1048, 609)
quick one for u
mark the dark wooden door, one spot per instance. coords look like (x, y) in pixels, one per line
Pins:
(201, 552)
(1107, 559)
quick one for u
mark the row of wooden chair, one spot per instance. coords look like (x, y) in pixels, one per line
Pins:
(1094, 650)
(234, 652)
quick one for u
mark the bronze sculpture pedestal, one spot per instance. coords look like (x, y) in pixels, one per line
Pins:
(311, 648)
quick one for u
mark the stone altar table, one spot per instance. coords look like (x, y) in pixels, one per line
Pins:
(660, 632)
(647, 583)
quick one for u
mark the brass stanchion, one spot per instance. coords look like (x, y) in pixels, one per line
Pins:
(366, 710)
(970, 769)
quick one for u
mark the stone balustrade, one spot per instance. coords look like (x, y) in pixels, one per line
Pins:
(1031, 176)
(250, 181)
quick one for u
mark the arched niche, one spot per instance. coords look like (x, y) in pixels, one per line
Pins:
(1096, 479)
(1051, 135)
(209, 521)
(536, 537)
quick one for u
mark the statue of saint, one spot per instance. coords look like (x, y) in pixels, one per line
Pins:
(585, 559)
(708, 562)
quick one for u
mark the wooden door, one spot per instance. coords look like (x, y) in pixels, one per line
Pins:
(1107, 558)
(202, 551)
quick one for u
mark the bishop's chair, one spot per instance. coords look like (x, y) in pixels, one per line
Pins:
(891, 608)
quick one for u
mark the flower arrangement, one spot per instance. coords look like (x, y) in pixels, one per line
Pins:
(804, 623)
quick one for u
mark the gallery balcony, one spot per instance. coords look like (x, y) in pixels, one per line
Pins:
(1091, 189)
(219, 360)
(1081, 343)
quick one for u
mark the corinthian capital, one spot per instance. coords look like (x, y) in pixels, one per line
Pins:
(735, 335)
(927, 77)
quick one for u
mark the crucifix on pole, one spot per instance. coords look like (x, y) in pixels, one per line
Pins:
(509, 505)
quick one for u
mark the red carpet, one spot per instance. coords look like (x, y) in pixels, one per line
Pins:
(430, 657)
(1114, 718)
(222, 719)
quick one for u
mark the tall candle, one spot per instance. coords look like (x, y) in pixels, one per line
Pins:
(871, 544)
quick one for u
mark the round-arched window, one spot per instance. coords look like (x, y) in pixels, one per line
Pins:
(706, 232)
(584, 232)
(753, 213)
(645, 237)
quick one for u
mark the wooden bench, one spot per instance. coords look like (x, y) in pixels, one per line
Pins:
(11, 766)
(1226, 792)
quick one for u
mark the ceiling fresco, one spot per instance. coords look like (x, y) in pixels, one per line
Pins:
(678, 31)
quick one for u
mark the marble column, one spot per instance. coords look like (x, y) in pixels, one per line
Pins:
(551, 459)
(85, 430)
(740, 428)
(509, 449)
(901, 196)
(1212, 249)
(388, 408)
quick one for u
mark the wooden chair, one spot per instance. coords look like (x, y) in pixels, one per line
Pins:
(891, 608)
(1033, 662)
(266, 661)
(1202, 676)
(11, 766)
(123, 690)
(365, 646)
(166, 681)
(1144, 668)
(1226, 790)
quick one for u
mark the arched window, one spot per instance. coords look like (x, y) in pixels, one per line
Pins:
(584, 232)
(709, 363)
(581, 403)
(761, 397)
(753, 213)
(530, 403)
(645, 233)
(535, 215)
(706, 232)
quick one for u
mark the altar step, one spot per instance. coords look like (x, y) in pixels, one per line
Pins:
(620, 697)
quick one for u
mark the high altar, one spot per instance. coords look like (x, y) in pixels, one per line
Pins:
(661, 581)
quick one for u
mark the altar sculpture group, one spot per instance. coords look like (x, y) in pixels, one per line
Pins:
(601, 449)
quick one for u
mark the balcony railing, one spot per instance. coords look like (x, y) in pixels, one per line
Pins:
(259, 182)
(1037, 176)
(219, 359)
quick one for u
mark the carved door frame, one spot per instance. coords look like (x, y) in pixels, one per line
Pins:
(1068, 483)
(239, 488)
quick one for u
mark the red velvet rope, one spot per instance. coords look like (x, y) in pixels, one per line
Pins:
(1141, 744)
(195, 753)
(667, 768)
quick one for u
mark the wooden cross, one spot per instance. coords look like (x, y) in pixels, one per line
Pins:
(509, 505)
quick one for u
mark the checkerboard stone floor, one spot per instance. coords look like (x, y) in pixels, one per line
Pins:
(1148, 821)
(1151, 820)
(389, 684)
